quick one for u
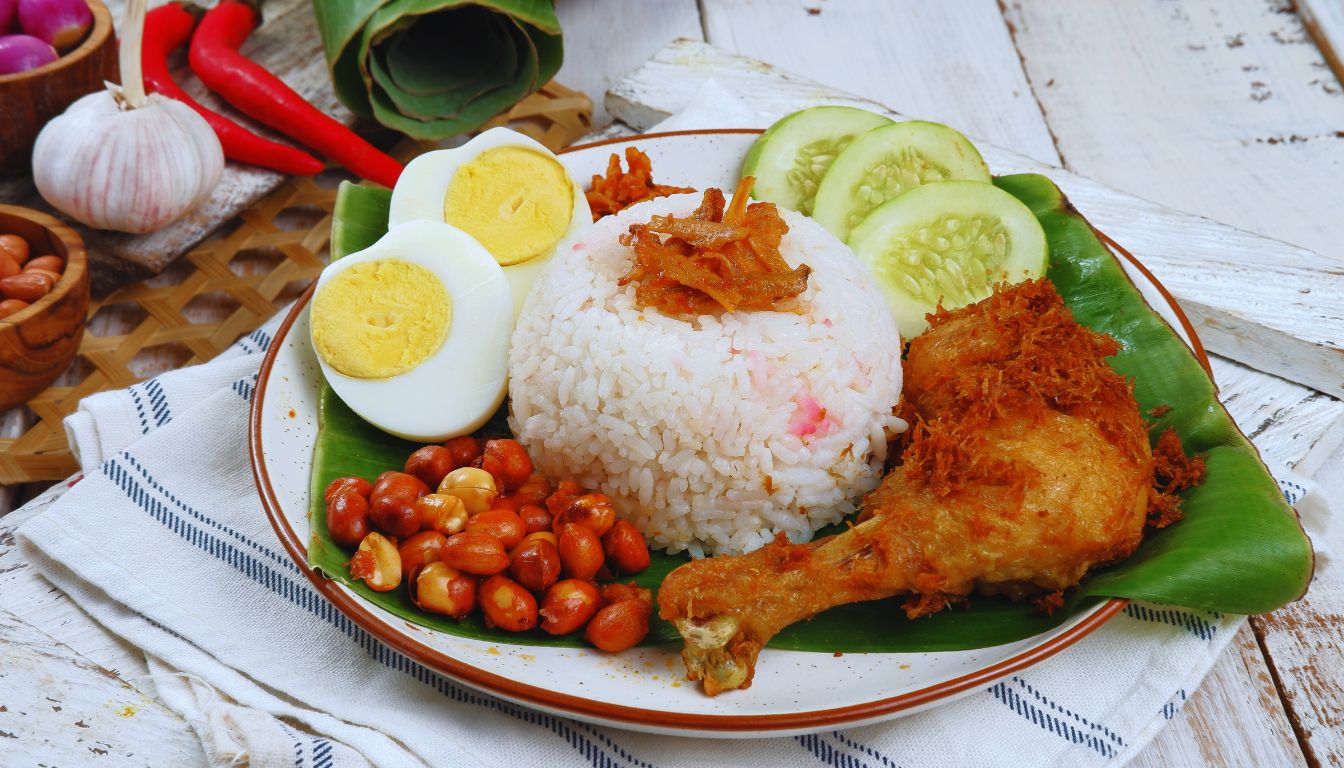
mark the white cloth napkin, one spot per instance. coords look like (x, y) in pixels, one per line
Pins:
(165, 544)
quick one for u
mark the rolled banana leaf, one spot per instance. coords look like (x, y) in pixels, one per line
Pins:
(1239, 548)
(436, 68)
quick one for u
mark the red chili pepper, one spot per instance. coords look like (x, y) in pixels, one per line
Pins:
(214, 57)
(167, 28)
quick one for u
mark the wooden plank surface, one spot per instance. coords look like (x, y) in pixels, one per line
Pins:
(1291, 425)
(605, 41)
(1227, 110)
(925, 59)
(72, 700)
(1210, 730)
(1324, 21)
(1274, 306)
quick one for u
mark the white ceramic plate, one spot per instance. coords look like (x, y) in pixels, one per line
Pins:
(643, 689)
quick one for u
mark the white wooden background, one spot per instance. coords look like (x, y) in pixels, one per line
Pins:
(1229, 110)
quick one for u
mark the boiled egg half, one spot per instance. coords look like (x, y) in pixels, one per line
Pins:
(413, 331)
(504, 189)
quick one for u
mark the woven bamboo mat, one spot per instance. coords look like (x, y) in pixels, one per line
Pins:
(220, 290)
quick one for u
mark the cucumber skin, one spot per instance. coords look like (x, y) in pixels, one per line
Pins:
(971, 166)
(751, 163)
(909, 311)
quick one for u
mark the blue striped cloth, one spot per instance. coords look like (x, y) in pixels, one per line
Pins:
(164, 543)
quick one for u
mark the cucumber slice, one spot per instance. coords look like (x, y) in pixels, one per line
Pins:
(887, 161)
(949, 242)
(789, 159)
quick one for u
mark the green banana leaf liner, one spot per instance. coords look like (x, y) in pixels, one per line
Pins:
(432, 69)
(1239, 548)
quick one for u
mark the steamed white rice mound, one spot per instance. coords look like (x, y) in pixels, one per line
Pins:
(711, 435)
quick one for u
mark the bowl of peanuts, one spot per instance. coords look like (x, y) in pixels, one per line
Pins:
(44, 300)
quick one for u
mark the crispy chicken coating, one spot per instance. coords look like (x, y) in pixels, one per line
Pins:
(1027, 464)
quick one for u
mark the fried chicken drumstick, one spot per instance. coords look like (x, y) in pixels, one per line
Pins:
(1026, 464)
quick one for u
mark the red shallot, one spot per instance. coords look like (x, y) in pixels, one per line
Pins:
(20, 53)
(62, 23)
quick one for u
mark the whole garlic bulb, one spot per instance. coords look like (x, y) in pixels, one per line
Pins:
(132, 170)
(120, 159)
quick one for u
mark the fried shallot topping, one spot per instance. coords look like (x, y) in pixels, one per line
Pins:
(1173, 472)
(714, 258)
(620, 189)
(1038, 359)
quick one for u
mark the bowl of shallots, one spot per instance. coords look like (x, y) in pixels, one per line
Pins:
(44, 301)
(51, 53)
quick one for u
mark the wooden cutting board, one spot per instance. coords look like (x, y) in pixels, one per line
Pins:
(287, 44)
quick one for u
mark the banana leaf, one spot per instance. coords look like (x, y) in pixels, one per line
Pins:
(432, 69)
(1239, 548)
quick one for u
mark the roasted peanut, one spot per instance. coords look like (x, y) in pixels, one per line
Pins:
(511, 459)
(592, 510)
(357, 484)
(565, 494)
(507, 605)
(580, 552)
(348, 518)
(465, 450)
(11, 307)
(619, 626)
(398, 484)
(615, 593)
(535, 565)
(420, 550)
(392, 504)
(49, 263)
(394, 516)
(441, 512)
(567, 606)
(546, 535)
(505, 502)
(627, 552)
(14, 247)
(475, 487)
(477, 553)
(25, 286)
(440, 589)
(534, 491)
(430, 464)
(377, 563)
(492, 465)
(535, 518)
(500, 523)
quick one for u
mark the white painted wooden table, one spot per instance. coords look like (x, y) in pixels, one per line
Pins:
(1228, 110)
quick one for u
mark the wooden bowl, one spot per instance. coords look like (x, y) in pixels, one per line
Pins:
(38, 342)
(32, 98)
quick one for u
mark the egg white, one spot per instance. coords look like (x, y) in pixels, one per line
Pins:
(463, 382)
(423, 187)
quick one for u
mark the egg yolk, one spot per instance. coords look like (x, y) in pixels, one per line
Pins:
(380, 319)
(515, 201)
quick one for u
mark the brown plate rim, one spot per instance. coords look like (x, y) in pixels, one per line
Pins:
(637, 716)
